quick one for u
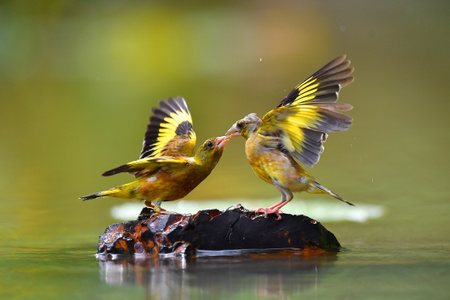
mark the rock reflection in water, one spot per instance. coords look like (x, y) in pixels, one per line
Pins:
(279, 275)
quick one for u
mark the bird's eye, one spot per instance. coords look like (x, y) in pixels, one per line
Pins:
(239, 125)
(209, 144)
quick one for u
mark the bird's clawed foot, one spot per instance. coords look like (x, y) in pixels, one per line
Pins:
(156, 209)
(274, 209)
(159, 210)
(268, 211)
(165, 212)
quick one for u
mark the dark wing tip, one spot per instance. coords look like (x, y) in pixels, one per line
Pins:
(334, 73)
(120, 169)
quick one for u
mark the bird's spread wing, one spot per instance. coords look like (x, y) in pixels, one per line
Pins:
(149, 165)
(322, 86)
(170, 131)
(302, 128)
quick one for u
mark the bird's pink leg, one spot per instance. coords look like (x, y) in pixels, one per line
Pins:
(274, 209)
(286, 197)
(279, 205)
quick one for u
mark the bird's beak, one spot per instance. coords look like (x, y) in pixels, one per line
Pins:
(222, 141)
(233, 131)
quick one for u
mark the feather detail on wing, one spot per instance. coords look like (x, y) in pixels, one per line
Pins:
(322, 86)
(170, 131)
(302, 128)
(149, 165)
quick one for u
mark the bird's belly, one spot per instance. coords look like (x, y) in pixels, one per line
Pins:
(167, 187)
(258, 165)
(275, 166)
(268, 166)
(261, 173)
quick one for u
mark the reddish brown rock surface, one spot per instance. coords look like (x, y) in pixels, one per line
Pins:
(234, 228)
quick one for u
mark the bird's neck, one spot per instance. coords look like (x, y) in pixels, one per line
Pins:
(249, 134)
(205, 162)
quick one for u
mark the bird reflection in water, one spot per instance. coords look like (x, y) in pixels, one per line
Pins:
(280, 275)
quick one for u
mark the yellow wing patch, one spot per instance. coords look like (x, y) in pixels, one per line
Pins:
(306, 90)
(302, 128)
(170, 131)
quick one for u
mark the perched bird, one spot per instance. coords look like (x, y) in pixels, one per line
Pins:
(295, 131)
(167, 168)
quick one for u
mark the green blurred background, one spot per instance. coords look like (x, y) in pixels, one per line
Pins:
(78, 80)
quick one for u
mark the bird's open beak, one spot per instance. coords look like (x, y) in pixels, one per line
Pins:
(222, 141)
(233, 131)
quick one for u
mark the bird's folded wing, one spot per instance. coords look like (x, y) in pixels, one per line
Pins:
(322, 86)
(302, 128)
(170, 131)
(148, 165)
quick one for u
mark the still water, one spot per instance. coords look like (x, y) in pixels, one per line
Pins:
(78, 80)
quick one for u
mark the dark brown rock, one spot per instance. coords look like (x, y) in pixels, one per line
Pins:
(234, 228)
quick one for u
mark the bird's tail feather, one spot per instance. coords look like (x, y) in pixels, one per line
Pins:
(109, 193)
(324, 190)
(91, 196)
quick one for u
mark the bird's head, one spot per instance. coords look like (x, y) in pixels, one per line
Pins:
(211, 151)
(245, 127)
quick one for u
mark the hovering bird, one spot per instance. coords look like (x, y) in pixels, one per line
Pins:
(294, 132)
(167, 168)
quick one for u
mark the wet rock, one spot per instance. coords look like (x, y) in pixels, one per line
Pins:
(235, 228)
